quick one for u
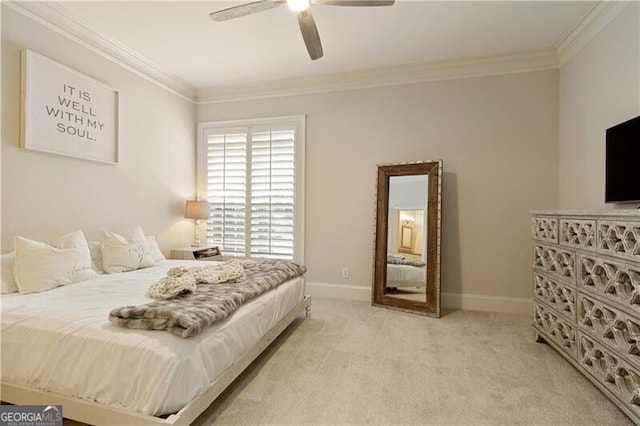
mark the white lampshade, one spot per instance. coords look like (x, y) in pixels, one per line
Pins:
(197, 210)
(298, 5)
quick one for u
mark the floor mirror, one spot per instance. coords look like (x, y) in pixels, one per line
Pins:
(407, 237)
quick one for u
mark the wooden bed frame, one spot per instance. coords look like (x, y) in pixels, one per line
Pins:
(100, 414)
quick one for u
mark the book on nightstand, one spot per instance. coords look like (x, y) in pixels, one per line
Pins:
(197, 253)
(206, 252)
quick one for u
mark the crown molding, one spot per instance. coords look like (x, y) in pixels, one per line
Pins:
(61, 20)
(591, 23)
(379, 77)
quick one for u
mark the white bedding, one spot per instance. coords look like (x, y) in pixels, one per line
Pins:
(61, 341)
(406, 275)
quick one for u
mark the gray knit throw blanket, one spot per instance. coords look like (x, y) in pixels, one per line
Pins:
(190, 313)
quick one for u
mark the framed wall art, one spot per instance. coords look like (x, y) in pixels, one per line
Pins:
(66, 112)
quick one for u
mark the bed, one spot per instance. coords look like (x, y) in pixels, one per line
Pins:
(403, 272)
(58, 348)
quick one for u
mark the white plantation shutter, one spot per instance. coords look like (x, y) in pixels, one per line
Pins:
(272, 194)
(227, 191)
(252, 175)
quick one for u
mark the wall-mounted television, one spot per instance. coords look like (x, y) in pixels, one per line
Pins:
(622, 175)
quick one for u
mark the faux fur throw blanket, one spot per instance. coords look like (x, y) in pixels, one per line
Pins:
(190, 313)
(401, 260)
(181, 280)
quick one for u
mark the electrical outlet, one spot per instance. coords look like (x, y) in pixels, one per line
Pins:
(345, 272)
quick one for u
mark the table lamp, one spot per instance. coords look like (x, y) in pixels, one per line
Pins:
(197, 210)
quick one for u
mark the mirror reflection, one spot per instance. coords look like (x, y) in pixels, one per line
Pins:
(406, 258)
(407, 239)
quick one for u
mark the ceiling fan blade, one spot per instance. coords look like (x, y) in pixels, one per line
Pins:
(355, 2)
(310, 34)
(245, 9)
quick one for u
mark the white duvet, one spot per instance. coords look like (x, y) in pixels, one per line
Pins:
(62, 341)
(406, 275)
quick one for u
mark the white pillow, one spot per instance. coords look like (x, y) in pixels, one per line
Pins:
(8, 282)
(39, 266)
(122, 253)
(154, 249)
(96, 256)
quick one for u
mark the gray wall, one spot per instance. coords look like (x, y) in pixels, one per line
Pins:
(599, 88)
(44, 196)
(498, 138)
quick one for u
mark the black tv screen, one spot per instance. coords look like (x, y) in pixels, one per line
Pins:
(622, 175)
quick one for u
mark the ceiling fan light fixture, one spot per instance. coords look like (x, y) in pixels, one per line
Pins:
(298, 5)
(306, 22)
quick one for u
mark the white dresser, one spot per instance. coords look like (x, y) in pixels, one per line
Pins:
(586, 296)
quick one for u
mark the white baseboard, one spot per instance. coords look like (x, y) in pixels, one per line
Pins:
(478, 302)
(339, 291)
(474, 302)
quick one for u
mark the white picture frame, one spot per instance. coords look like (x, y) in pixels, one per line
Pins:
(65, 112)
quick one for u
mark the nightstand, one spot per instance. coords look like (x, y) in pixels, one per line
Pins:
(197, 253)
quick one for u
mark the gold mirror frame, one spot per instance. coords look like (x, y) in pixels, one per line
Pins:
(431, 306)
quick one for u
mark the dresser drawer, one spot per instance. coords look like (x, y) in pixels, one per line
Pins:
(556, 262)
(619, 239)
(611, 280)
(616, 329)
(554, 327)
(556, 294)
(612, 373)
(544, 228)
(578, 233)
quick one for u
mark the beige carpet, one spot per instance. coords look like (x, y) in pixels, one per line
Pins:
(351, 363)
(354, 364)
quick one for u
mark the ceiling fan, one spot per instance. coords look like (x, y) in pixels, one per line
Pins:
(305, 19)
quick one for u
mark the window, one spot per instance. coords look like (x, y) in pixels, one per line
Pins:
(252, 174)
